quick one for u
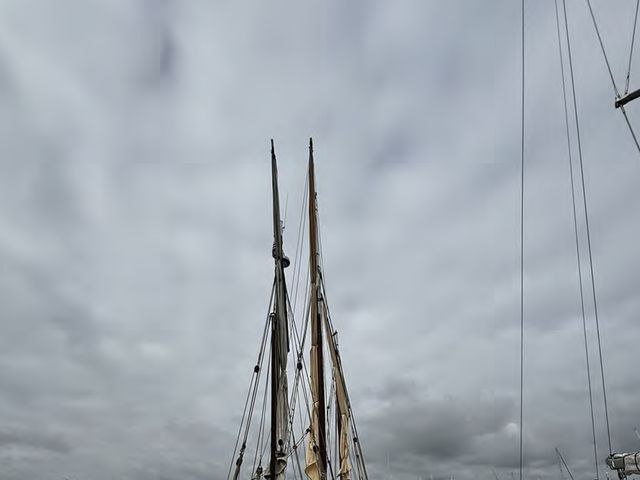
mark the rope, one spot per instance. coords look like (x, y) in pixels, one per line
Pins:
(522, 138)
(633, 39)
(586, 219)
(575, 230)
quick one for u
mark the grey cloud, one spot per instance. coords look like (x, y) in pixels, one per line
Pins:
(412, 422)
(33, 439)
(135, 229)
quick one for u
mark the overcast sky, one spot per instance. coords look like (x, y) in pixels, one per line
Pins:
(135, 229)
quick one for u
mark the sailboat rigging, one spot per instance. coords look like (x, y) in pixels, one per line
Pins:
(623, 463)
(333, 449)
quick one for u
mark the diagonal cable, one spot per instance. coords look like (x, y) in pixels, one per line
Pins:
(633, 41)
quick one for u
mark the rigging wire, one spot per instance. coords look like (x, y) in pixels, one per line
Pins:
(564, 463)
(613, 82)
(562, 477)
(299, 242)
(522, 138)
(586, 213)
(295, 454)
(253, 385)
(633, 40)
(604, 52)
(575, 230)
(633, 134)
(262, 438)
(354, 429)
(300, 346)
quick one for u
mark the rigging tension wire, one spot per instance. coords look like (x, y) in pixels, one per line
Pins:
(586, 214)
(633, 39)
(604, 52)
(575, 230)
(613, 82)
(361, 463)
(564, 463)
(251, 394)
(626, 118)
(522, 132)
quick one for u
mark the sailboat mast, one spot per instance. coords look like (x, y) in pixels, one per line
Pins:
(316, 322)
(279, 339)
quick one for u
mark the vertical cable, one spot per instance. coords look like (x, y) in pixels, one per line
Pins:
(522, 132)
(577, 242)
(586, 217)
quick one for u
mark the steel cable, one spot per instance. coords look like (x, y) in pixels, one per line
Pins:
(522, 139)
(633, 40)
(577, 242)
(586, 212)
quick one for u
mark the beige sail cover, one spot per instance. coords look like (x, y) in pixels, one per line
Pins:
(345, 463)
(343, 404)
(312, 469)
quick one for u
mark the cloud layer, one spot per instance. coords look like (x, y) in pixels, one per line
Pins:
(135, 229)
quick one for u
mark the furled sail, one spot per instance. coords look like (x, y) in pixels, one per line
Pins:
(341, 401)
(316, 458)
(625, 463)
(312, 468)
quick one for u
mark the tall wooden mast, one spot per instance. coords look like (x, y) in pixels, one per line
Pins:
(279, 342)
(317, 359)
